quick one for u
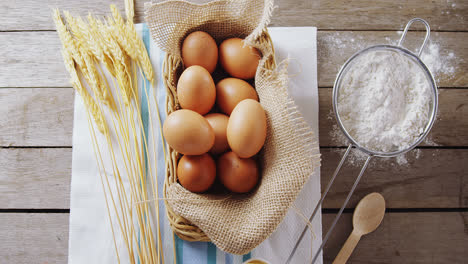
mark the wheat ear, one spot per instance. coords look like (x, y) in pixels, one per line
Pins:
(67, 41)
(88, 100)
(120, 62)
(93, 76)
(130, 10)
(96, 43)
(142, 53)
(118, 29)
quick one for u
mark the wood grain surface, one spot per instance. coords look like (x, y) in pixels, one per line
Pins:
(323, 14)
(35, 178)
(36, 117)
(34, 238)
(405, 238)
(33, 59)
(401, 238)
(40, 178)
(426, 191)
(44, 117)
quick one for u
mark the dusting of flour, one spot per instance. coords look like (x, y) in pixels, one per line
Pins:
(439, 64)
(384, 101)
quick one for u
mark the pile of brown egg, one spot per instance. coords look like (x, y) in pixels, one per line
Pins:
(221, 127)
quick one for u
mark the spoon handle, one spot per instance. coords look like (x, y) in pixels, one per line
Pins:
(347, 248)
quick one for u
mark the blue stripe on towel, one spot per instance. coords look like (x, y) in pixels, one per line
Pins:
(211, 253)
(179, 243)
(246, 257)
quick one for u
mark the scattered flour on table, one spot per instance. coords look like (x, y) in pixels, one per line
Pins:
(430, 141)
(437, 63)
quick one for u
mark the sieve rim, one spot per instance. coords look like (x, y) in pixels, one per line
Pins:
(434, 93)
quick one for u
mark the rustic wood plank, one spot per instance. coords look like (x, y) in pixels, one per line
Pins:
(34, 238)
(401, 238)
(416, 238)
(33, 59)
(44, 117)
(36, 117)
(35, 178)
(40, 179)
(370, 15)
(426, 178)
(36, 15)
(450, 128)
(355, 15)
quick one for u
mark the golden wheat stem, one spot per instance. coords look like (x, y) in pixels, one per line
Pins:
(102, 181)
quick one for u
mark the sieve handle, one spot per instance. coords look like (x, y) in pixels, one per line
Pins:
(428, 33)
(319, 204)
(325, 239)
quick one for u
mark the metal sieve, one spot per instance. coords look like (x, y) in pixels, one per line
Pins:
(353, 143)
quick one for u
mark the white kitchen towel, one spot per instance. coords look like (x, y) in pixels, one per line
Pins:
(90, 239)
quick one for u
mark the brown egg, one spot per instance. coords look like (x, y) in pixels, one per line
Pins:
(237, 174)
(196, 173)
(246, 130)
(199, 48)
(219, 124)
(196, 90)
(188, 132)
(230, 91)
(238, 60)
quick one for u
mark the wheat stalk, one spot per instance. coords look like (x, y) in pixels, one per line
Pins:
(130, 41)
(67, 41)
(119, 30)
(129, 10)
(117, 46)
(96, 43)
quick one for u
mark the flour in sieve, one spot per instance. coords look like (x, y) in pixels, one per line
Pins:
(384, 101)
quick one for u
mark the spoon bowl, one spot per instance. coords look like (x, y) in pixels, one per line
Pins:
(369, 213)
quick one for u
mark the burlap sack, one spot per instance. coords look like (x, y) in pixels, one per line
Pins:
(236, 223)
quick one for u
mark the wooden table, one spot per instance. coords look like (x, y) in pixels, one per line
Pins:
(427, 199)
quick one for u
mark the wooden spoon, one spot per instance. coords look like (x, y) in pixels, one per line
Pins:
(366, 218)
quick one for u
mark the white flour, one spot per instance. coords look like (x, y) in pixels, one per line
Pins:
(440, 62)
(384, 101)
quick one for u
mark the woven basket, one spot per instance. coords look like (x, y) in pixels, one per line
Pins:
(236, 223)
(172, 68)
